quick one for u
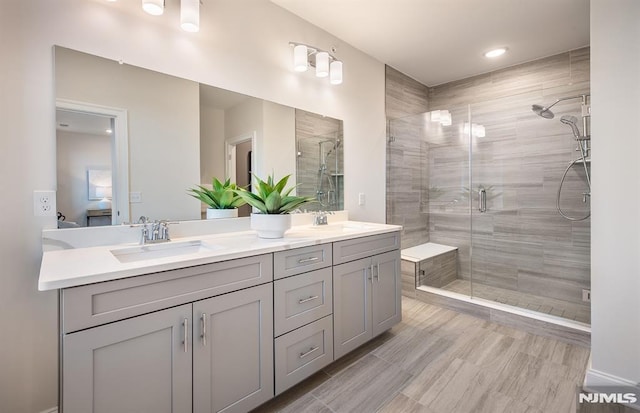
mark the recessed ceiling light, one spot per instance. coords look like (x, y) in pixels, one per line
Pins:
(496, 52)
(109, 131)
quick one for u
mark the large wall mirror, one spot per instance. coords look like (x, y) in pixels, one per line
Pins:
(131, 142)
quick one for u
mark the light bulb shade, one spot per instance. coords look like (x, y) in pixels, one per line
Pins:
(322, 64)
(300, 58)
(190, 15)
(335, 72)
(153, 7)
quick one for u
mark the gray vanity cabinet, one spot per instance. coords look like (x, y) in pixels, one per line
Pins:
(233, 351)
(196, 339)
(138, 365)
(366, 291)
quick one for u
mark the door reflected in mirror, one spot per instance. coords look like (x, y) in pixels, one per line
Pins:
(169, 134)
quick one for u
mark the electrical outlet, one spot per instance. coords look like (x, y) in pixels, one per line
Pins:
(586, 295)
(44, 203)
(361, 198)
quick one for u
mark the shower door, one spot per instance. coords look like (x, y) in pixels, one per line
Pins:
(427, 193)
(523, 252)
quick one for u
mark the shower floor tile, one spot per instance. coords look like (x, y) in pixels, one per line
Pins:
(568, 310)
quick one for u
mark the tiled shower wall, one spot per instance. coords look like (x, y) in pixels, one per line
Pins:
(311, 129)
(521, 243)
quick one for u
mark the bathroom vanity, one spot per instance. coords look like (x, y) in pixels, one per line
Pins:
(218, 323)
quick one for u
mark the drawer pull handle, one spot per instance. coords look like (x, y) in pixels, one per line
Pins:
(311, 350)
(185, 340)
(306, 300)
(305, 260)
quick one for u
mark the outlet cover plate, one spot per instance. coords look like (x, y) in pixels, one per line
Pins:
(44, 203)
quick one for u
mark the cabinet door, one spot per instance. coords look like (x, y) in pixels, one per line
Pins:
(233, 351)
(351, 305)
(137, 365)
(386, 291)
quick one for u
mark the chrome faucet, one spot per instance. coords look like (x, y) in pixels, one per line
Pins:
(155, 232)
(320, 217)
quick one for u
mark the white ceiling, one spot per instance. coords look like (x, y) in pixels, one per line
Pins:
(438, 41)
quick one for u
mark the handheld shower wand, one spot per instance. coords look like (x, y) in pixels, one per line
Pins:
(572, 121)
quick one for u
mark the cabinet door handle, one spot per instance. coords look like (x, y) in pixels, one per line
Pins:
(185, 325)
(377, 273)
(306, 353)
(370, 270)
(305, 260)
(306, 300)
(203, 319)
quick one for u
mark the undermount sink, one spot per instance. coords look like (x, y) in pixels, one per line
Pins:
(166, 250)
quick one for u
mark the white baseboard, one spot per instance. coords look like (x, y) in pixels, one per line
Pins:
(51, 410)
(595, 378)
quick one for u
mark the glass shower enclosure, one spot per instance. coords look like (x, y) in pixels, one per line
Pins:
(483, 177)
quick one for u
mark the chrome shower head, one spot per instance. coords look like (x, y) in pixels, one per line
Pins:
(571, 121)
(542, 111)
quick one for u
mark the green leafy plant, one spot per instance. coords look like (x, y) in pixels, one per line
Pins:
(221, 196)
(271, 197)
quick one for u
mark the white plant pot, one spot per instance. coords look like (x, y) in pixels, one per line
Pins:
(270, 225)
(222, 213)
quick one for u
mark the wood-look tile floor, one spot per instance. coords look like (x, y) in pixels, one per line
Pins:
(560, 308)
(440, 361)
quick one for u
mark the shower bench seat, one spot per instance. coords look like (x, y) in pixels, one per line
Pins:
(429, 264)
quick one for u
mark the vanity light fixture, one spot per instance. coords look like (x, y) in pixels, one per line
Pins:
(189, 12)
(190, 15)
(322, 64)
(153, 7)
(335, 72)
(496, 52)
(325, 63)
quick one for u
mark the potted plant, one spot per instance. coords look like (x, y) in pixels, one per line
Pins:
(274, 203)
(222, 199)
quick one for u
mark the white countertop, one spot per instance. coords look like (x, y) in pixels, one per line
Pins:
(79, 266)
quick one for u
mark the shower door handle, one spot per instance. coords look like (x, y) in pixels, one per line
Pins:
(482, 200)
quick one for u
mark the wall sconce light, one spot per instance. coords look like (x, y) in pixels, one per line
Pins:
(325, 63)
(189, 12)
(476, 130)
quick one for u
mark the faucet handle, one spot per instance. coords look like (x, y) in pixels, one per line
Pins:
(320, 217)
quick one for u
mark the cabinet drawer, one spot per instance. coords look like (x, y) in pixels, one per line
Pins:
(100, 303)
(302, 299)
(299, 260)
(354, 249)
(303, 352)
